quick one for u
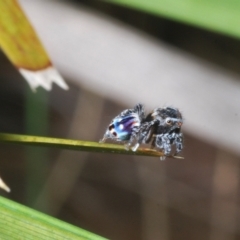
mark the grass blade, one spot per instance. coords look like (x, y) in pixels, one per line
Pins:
(20, 222)
(219, 16)
(77, 145)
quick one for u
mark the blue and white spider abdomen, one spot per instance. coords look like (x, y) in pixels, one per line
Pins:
(122, 127)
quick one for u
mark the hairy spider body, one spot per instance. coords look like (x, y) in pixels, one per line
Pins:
(161, 128)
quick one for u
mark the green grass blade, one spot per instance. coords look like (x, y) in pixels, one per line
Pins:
(76, 145)
(222, 16)
(20, 222)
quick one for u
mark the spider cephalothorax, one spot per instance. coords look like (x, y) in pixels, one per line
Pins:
(161, 128)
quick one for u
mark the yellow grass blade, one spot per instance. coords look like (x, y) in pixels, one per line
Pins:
(78, 145)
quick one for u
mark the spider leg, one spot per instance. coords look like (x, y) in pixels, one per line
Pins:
(179, 142)
(141, 134)
(163, 142)
(132, 140)
(153, 143)
(105, 137)
(135, 147)
(147, 131)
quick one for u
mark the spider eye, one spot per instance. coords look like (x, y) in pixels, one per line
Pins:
(168, 121)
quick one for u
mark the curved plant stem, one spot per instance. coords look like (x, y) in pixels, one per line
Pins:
(78, 145)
